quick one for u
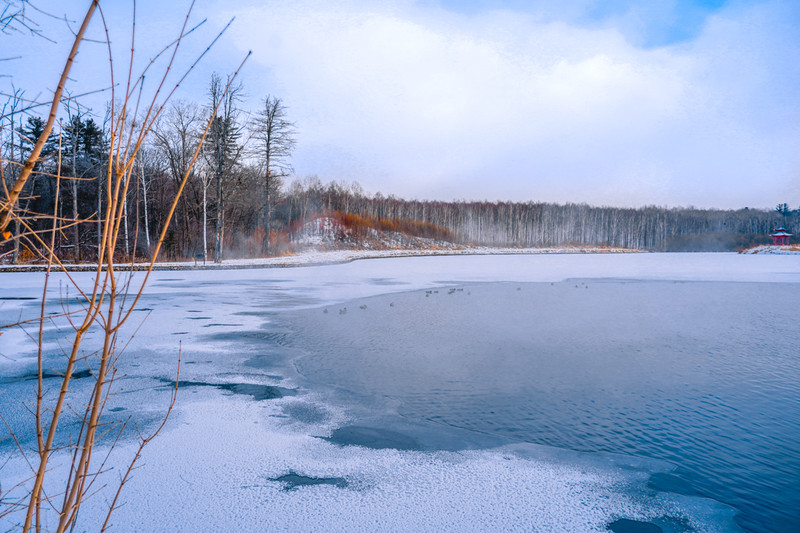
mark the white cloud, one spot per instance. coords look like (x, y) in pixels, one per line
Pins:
(555, 104)
(420, 102)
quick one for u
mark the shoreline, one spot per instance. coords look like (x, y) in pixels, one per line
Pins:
(318, 258)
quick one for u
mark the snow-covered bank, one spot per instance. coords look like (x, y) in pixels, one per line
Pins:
(769, 249)
(313, 257)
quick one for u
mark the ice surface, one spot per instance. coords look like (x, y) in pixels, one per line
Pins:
(216, 470)
(702, 374)
(215, 465)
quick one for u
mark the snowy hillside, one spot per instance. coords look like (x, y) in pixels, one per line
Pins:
(328, 233)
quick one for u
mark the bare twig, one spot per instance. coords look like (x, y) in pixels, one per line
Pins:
(108, 302)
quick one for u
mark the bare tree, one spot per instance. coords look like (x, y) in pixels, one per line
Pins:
(149, 162)
(224, 147)
(275, 141)
(14, 146)
(176, 135)
(84, 145)
(9, 202)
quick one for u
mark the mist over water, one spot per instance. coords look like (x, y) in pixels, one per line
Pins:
(704, 375)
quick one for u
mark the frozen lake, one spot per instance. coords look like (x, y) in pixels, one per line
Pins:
(546, 393)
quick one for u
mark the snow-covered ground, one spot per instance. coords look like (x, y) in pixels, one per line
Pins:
(775, 250)
(231, 460)
(314, 256)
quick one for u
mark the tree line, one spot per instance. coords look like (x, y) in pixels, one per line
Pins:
(240, 203)
(226, 205)
(548, 224)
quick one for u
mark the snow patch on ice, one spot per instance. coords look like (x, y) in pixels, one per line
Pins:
(218, 465)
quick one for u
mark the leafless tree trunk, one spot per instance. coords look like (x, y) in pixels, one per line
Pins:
(76, 237)
(219, 234)
(99, 214)
(125, 226)
(206, 183)
(225, 148)
(176, 136)
(275, 136)
(143, 183)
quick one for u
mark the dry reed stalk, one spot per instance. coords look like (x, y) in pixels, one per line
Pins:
(108, 305)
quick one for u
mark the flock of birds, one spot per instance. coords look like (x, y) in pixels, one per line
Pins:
(343, 310)
(428, 293)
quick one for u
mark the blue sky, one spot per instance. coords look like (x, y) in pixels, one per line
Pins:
(653, 24)
(606, 102)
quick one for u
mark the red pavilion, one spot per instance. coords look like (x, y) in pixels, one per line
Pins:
(780, 237)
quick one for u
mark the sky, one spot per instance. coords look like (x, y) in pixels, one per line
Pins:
(605, 102)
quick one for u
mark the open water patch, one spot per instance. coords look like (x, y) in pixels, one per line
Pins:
(374, 438)
(49, 374)
(256, 392)
(626, 525)
(76, 374)
(293, 481)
